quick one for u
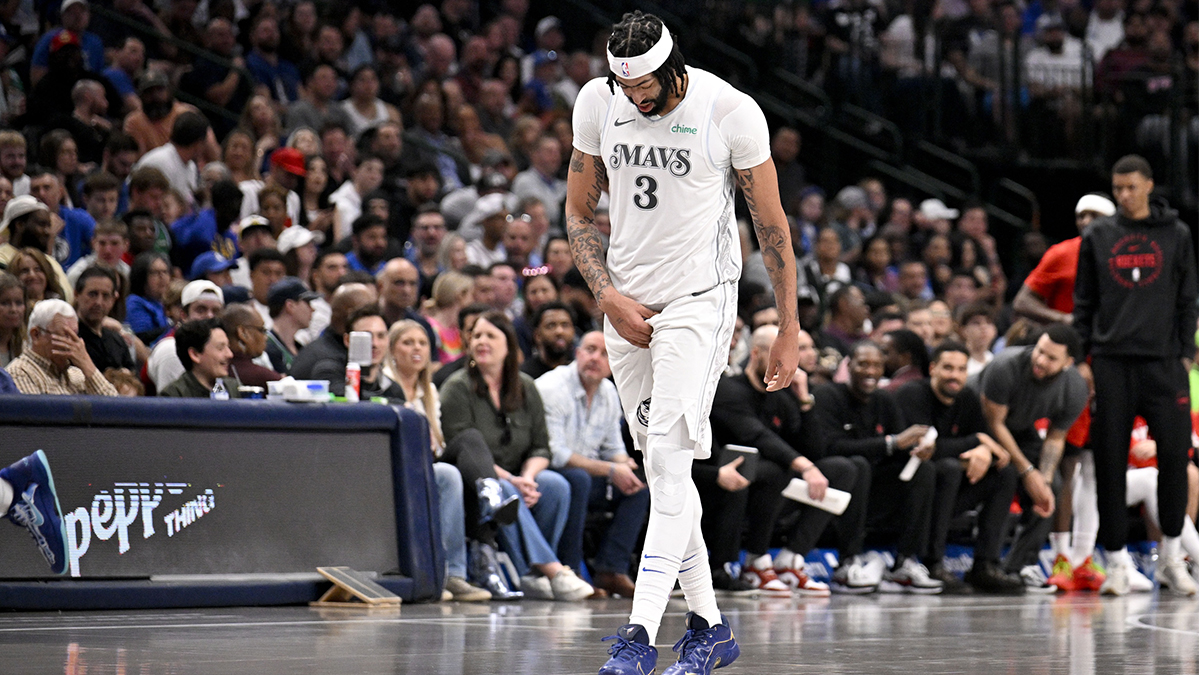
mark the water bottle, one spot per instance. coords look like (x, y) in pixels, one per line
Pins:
(219, 392)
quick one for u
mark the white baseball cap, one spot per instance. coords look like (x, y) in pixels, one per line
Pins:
(1095, 203)
(194, 290)
(936, 209)
(294, 237)
(69, 3)
(20, 206)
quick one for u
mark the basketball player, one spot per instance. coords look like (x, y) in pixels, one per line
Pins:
(667, 142)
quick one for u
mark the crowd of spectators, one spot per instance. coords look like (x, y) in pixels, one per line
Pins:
(403, 175)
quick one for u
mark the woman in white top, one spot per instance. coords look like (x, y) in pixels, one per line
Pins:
(364, 109)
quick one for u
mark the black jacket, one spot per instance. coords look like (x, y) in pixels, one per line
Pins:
(854, 427)
(770, 421)
(1136, 288)
(956, 423)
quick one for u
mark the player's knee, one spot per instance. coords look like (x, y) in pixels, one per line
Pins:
(670, 467)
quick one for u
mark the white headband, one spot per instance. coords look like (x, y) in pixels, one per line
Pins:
(632, 67)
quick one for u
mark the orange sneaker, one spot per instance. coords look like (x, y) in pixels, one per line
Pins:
(1062, 574)
(799, 582)
(1089, 576)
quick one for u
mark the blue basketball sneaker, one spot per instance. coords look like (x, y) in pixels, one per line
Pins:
(703, 648)
(631, 654)
(35, 507)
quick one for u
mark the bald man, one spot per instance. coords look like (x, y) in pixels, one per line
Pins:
(346, 300)
(399, 285)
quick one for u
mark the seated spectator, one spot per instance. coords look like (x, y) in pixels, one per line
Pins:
(347, 200)
(858, 419)
(128, 62)
(875, 268)
(369, 242)
(267, 267)
(148, 188)
(318, 105)
(223, 86)
(398, 287)
(214, 267)
(278, 76)
(87, 125)
(1021, 386)
(109, 243)
(76, 18)
(978, 331)
(211, 229)
(942, 322)
(290, 305)
(583, 419)
(331, 343)
(78, 227)
(203, 349)
(540, 288)
(96, 292)
(425, 141)
(823, 271)
(553, 339)
(904, 358)
(35, 271)
(13, 161)
(254, 235)
(408, 365)
(148, 280)
(12, 318)
(101, 195)
(247, 341)
(60, 153)
(328, 270)
(363, 109)
(493, 404)
(505, 291)
(848, 313)
(492, 215)
(373, 380)
(541, 179)
(177, 158)
(466, 322)
(920, 321)
(299, 248)
(451, 293)
(57, 361)
(285, 171)
(963, 449)
(200, 300)
(787, 434)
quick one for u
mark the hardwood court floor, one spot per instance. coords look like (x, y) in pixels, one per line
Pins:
(1073, 635)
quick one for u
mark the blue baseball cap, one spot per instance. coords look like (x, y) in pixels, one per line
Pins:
(289, 288)
(209, 262)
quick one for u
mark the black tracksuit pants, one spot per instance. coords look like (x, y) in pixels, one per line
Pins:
(955, 494)
(1156, 389)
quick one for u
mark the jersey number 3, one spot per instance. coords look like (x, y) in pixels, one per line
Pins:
(646, 199)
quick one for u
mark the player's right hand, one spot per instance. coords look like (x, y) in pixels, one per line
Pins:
(628, 317)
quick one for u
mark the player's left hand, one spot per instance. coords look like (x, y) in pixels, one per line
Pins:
(783, 360)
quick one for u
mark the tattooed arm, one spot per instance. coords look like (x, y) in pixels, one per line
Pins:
(761, 188)
(586, 179)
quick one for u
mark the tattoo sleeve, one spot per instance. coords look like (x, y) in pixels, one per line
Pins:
(585, 181)
(774, 239)
(1052, 451)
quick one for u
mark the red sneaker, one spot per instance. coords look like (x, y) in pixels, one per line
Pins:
(766, 582)
(798, 581)
(1061, 574)
(1089, 576)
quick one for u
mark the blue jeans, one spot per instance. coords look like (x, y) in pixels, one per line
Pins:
(534, 537)
(450, 511)
(570, 548)
(629, 514)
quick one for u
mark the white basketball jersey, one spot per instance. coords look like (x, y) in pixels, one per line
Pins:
(671, 183)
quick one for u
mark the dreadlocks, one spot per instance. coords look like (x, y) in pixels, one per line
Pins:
(635, 35)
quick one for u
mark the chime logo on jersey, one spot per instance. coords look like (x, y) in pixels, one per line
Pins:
(1135, 260)
(675, 160)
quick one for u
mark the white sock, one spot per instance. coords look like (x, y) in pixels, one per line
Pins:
(1061, 541)
(1190, 539)
(1084, 546)
(786, 560)
(1120, 557)
(762, 562)
(1171, 546)
(6, 495)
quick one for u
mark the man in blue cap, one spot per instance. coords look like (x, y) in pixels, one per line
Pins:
(214, 267)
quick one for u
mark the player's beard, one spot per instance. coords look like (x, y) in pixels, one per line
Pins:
(660, 103)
